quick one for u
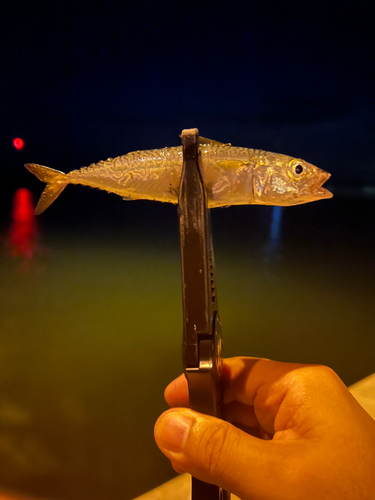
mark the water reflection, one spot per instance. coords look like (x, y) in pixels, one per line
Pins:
(272, 248)
(22, 242)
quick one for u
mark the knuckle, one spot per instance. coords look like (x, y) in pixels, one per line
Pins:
(313, 374)
(327, 374)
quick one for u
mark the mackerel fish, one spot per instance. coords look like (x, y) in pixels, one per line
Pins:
(232, 176)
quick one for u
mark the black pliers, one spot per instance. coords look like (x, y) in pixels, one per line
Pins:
(202, 339)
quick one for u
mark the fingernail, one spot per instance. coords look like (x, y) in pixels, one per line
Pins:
(173, 431)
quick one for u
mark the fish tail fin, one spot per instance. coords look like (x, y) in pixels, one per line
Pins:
(55, 181)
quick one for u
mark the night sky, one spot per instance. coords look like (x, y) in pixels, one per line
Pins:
(87, 80)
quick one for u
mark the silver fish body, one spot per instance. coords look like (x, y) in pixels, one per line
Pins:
(232, 176)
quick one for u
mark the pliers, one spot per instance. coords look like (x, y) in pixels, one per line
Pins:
(202, 336)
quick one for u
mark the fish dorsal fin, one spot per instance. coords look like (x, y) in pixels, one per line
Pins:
(203, 141)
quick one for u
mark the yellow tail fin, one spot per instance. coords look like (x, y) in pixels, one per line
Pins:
(55, 181)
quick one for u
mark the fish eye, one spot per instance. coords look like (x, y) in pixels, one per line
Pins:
(296, 170)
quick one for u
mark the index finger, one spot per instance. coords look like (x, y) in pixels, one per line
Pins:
(233, 373)
(244, 378)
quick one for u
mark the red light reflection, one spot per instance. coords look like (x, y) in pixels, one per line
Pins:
(18, 143)
(23, 231)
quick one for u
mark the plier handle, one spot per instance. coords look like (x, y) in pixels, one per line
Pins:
(202, 337)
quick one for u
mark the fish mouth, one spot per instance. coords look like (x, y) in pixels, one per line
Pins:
(318, 191)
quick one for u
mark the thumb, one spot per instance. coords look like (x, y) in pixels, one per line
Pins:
(217, 452)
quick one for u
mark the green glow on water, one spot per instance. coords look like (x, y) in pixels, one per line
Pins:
(91, 334)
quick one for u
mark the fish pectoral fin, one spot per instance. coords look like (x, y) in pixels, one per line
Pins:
(231, 164)
(203, 141)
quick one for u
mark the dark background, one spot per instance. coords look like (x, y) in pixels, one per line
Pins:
(90, 328)
(84, 81)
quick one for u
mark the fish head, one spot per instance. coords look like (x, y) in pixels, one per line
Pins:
(285, 181)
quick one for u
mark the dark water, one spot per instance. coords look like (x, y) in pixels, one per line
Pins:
(91, 330)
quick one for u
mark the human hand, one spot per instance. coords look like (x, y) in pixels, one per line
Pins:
(307, 437)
